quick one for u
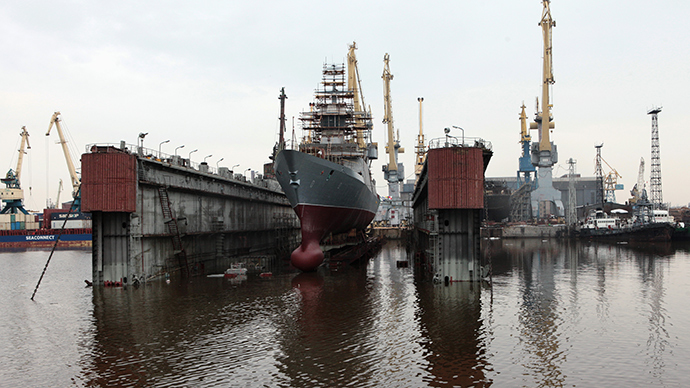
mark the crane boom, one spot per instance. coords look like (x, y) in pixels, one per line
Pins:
(353, 84)
(388, 115)
(25, 144)
(57, 202)
(421, 152)
(392, 172)
(70, 165)
(547, 23)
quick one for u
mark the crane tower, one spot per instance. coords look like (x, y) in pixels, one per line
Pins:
(525, 166)
(544, 153)
(12, 195)
(393, 172)
(655, 195)
(420, 149)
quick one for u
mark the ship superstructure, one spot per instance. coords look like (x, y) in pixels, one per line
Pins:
(327, 179)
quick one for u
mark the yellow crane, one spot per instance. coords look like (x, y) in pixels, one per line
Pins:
(392, 172)
(12, 194)
(57, 202)
(546, 23)
(544, 154)
(611, 183)
(55, 120)
(354, 84)
(420, 149)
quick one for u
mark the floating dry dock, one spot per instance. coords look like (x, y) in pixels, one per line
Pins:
(155, 214)
(447, 206)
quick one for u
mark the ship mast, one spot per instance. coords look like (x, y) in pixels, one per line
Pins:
(281, 140)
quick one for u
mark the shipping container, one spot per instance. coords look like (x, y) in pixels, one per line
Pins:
(5, 226)
(108, 181)
(71, 224)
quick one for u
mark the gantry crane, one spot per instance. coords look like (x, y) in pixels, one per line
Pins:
(393, 172)
(76, 182)
(13, 195)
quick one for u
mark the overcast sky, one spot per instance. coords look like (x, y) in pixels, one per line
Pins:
(207, 75)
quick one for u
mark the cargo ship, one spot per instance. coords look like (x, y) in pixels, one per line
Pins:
(327, 179)
(23, 231)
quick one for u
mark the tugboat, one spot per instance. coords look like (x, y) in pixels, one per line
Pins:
(327, 179)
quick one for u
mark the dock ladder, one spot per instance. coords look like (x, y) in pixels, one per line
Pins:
(173, 229)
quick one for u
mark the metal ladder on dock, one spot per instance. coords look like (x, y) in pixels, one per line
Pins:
(174, 231)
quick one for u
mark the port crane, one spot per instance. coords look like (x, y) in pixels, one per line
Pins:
(638, 191)
(544, 153)
(13, 195)
(420, 148)
(611, 183)
(525, 166)
(57, 202)
(76, 181)
(362, 115)
(393, 172)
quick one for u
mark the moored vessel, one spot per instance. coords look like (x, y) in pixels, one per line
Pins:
(327, 179)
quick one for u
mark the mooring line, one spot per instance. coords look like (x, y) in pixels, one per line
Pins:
(57, 240)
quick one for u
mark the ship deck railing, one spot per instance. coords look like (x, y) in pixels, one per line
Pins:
(451, 141)
(155, 155)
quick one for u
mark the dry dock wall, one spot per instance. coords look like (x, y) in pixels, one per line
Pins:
(152, 216)
(447, 205)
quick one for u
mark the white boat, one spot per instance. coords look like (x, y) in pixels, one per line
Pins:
(235, 270)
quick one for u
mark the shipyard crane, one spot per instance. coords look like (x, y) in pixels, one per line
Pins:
(354, 84)
(638, 190)
(610, 182)
(544, 154)
(76, 182)
(57, 202)
(13, 195)
(393, 172)
(525, 166)
(420, 148)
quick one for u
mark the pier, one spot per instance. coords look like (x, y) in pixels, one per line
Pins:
(156, 214)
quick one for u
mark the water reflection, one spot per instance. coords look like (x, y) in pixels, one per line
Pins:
(556, 314)
(561, 286)
(453, 335)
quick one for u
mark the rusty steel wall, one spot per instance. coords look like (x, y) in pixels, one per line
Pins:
(455, 178)
(108, 182)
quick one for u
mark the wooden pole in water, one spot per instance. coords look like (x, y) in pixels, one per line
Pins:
(57, 240)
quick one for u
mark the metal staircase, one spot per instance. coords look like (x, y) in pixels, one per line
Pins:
(173, 229)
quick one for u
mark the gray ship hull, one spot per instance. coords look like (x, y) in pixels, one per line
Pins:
(327, 197)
